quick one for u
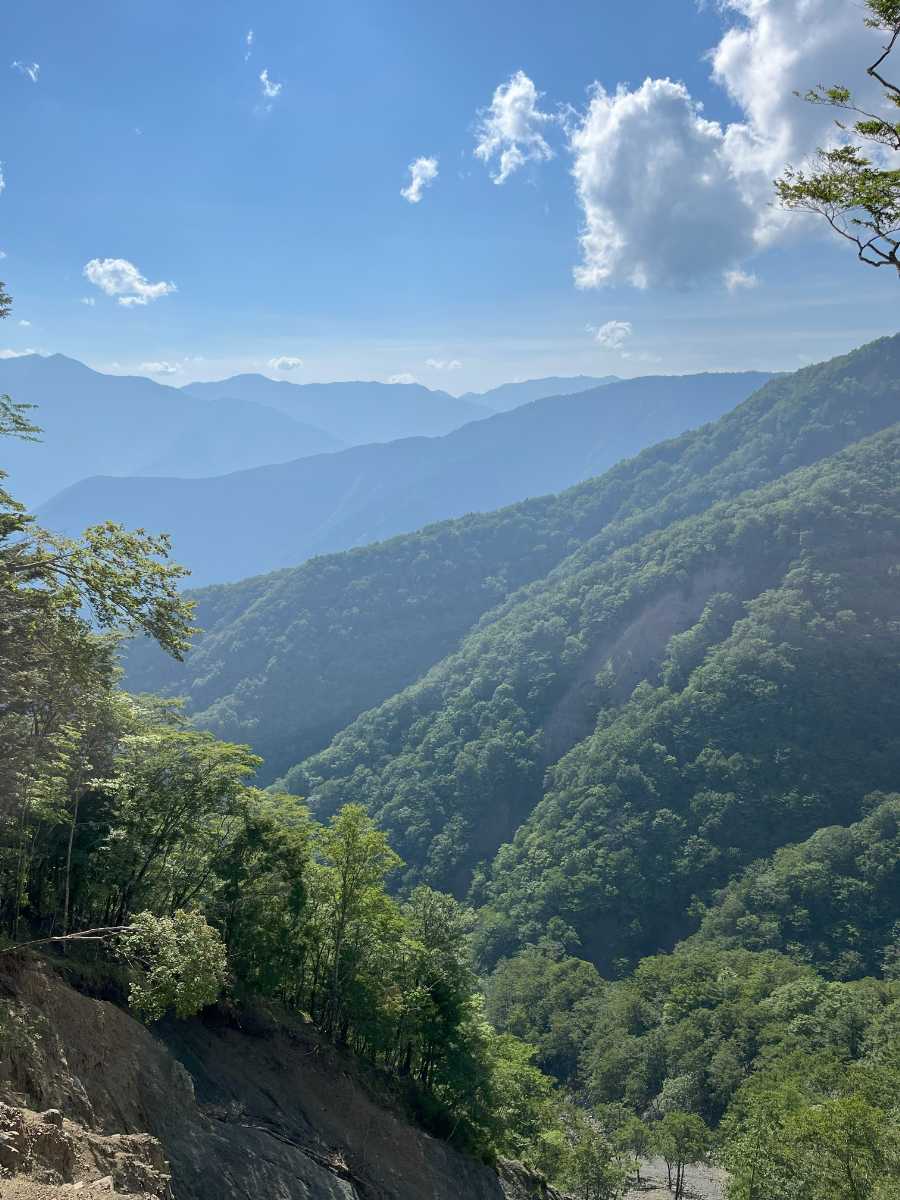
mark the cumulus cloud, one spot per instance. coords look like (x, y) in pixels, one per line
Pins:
(402, 377)
(737, 279)
(270, 89)
(159, 368)
(24, 324)
(120, 278)
(422, 173)
(16, 353)
(443, 364)
(613, 335)
(32, 70)
(660, 203)
(88, 300)
(672, 198)
(285, 362)
(2, 254)
(510, 128)
(248, 44)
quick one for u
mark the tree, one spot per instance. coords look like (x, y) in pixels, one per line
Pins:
(592, 1168)
(682, 1139)
(177, 798)
(353, 904)
(858, 195)
(63, 602)
(635, 1137)
(786, 1147)
(175, 962)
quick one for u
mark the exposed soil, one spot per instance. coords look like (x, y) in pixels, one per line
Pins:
(235, 1107)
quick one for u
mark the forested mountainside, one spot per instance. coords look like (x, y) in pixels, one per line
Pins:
(356, 412)
(353, 629)
(243, 524)
(830, 901)
(660, 798)
(125, 425)
(511, 395)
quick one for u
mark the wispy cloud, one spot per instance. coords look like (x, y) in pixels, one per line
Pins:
(422, 173)
(442, 364)
(16, 353)
(285, 362)
(613, 334)
(24, 324)
(159, 368)
(88, 300)
(737, 279)
(248, 44)
(402, 377)
(120, 278)
(31, 70)
(270, 89)
(510, 128)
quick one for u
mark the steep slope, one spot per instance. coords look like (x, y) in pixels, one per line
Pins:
(125, 425)
(240, 1107)
(355, 412)
(453, 766)
(511, 395)
(255, 521)
(831, 900)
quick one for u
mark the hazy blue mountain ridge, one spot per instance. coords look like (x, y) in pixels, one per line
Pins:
(232, 527)
(128, 425)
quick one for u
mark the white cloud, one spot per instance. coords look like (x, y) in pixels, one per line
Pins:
(2, 254)
(24, 324)
(120, 278)
(16, 353)
(88, 300)
(402, 377)
(270, 89)
(443, 364)
(510, 128)
(159, 368)
(737, 279)
(613, 335)
(671, 198)
(248, 44)
(285, 362)
(422, 173)
(32, 70)
(2, 179)
(661, 205)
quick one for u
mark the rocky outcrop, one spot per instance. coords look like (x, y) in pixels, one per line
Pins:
(233, 1107)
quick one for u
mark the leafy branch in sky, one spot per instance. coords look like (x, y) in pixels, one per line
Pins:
(857, 193)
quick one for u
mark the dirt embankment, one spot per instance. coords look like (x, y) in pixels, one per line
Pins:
(203, 1111)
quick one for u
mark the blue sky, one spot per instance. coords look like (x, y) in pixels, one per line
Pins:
(147, 137)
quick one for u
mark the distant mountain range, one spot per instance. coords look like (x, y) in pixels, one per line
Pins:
(127, 425)
(356, 413)
(97, 424)
(229, 527)
(511, 395)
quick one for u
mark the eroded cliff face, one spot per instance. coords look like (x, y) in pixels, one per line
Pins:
(231, 1109)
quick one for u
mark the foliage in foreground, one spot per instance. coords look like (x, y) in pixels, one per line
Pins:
(855, 185)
